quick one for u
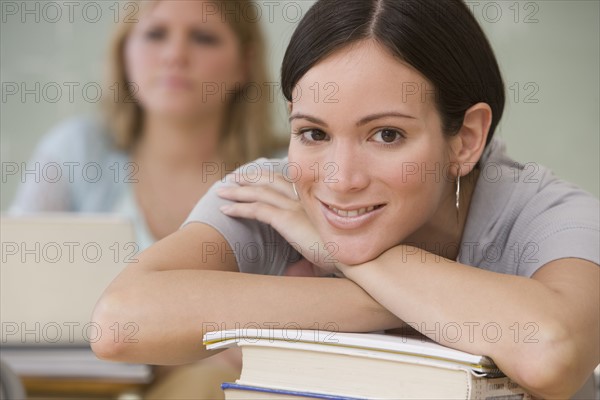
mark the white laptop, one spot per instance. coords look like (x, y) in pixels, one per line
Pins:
(53, 269)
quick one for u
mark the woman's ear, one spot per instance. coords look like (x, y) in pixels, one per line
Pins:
(468, 144)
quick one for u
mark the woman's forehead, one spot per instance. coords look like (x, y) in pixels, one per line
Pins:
(194, 11)
(364, 75)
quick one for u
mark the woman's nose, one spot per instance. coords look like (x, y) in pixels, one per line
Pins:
(346, 170)
(175, 51)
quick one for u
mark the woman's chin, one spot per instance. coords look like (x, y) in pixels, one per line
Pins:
(353, 255)
(179, 108)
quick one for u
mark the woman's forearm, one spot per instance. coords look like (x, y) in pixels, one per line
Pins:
(163, 316)
(538, 333)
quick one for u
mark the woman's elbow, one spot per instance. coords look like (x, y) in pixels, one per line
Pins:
(549, 370)
(109, 343)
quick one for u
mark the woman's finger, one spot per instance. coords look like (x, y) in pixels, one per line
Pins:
(293, 226)
(262, 194)
(286, 222)
(275, 181)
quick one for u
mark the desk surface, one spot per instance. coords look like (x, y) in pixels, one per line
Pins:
(74, 373)
(52, 388)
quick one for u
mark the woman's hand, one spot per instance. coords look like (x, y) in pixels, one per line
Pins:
(303, 268)
(271, 199)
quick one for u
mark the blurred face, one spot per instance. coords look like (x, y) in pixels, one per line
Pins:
(182, 57)
(373, 157)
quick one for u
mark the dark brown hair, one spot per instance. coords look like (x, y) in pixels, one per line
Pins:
(439, 38)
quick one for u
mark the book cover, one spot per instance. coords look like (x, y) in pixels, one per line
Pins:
(387, 343)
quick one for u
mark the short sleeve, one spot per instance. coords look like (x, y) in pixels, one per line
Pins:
(521, 218)
(258, 248)
(568, 227)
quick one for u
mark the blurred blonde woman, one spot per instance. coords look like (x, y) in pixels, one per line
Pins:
(180, 108)
(186, 102)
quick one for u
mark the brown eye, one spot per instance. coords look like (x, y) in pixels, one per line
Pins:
(387, 136)
(311, 136)
(314, 135)
(317, 135)
(205, 38)
(156, 34)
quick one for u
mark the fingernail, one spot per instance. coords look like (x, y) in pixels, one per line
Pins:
(225, 208)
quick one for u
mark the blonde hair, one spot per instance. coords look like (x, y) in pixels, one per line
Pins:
(247, 130)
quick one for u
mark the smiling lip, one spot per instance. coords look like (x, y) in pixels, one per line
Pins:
(349, 217)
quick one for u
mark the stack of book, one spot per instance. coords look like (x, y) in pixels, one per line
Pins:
(314, 364)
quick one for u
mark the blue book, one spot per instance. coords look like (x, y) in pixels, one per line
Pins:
(268, 393)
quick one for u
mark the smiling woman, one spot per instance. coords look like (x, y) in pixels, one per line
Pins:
(403, 194)
(371, 135)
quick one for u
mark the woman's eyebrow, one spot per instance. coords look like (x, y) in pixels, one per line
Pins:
(312, 119)
(373, 117)
(362, 121)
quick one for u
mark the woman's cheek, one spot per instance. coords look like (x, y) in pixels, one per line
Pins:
(139, 66)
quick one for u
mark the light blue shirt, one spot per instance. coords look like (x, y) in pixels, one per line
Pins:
(77, 168)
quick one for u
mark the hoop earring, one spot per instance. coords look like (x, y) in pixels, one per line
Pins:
(457, 196)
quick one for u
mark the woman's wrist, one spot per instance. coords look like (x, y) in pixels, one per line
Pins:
(353, 272)
(342, 268)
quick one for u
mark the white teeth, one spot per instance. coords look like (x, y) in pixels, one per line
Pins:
(352, 213)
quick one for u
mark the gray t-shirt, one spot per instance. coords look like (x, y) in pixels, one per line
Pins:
(521, 217)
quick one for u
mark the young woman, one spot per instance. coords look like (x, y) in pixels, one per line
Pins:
(180, 111)
(396, 187)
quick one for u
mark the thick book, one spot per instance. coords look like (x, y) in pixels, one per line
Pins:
(360, 365)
